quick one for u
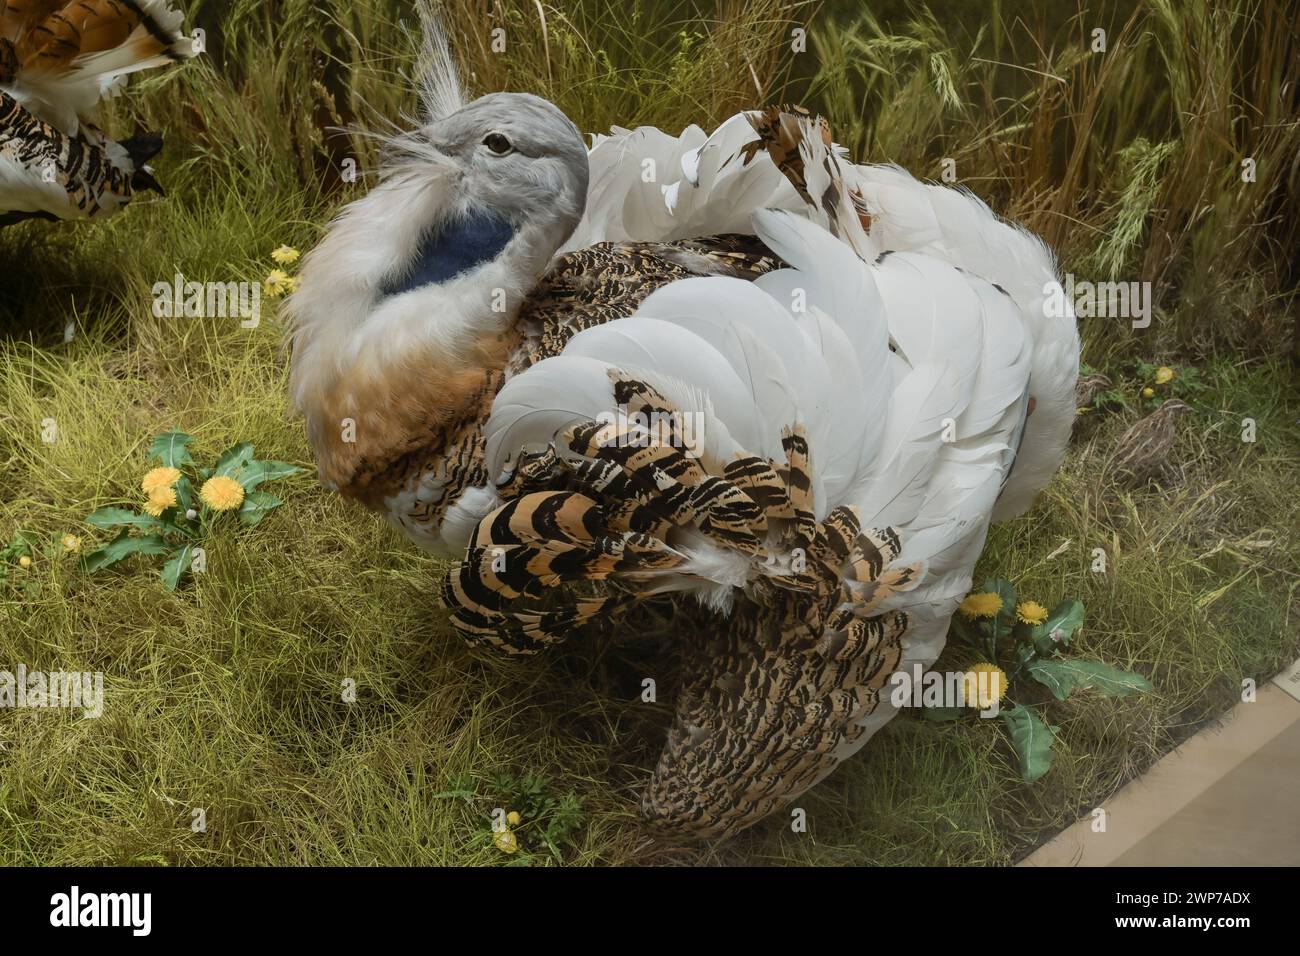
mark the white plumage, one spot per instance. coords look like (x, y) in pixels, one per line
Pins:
(860, 409)
(911, 372)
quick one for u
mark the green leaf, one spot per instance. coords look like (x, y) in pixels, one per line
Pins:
(1006, 618)
(1032, 740)
(121, 547)
(257, 505)
(125, 517)
(234, 457)
(176, 566)
(184, 495)
(1065, 619)
(172, 449)
(20, 544)
(256, 472)
(1062, 677)
(964, 630)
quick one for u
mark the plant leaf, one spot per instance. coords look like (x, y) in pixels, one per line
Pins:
(1032, 740)
(257, 505)
(1062, 677)
(125, 517)
(172, 448)
(184, 495)
(121, 547)
(964, 630)
(1065, 619)
(234, 457)
(1006, 618)
(257, 472)
(177, 565)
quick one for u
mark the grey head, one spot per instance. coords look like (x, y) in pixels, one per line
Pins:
(516, 156)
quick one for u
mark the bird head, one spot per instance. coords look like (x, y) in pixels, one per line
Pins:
(513, 154)
(1174, 408)
(415, 285)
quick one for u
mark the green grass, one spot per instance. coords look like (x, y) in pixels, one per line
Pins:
(227, 695)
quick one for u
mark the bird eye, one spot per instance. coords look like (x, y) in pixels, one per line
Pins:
(497, 143)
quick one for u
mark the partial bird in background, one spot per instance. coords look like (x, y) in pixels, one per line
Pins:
(1142, 452)
(1089, 387)
(733, 374)
(58, 59)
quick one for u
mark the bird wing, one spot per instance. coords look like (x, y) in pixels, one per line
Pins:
(46, 173)
(811, 459)
(59, 58)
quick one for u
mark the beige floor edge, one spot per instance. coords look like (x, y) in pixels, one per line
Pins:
(1228, 796)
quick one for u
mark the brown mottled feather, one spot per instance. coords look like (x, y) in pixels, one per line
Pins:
(1142, 452)
(443, 434)
(767, 701)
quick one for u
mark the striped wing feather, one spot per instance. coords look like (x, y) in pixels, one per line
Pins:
(858, 410)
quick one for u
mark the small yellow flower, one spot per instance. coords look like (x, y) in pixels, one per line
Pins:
(71, 542)
(1031, 612)
(513, 818)
(277, 283)
(985, 684)
(981, 604)
(160, 499)
(222, 493)
(505, 841)
(159, 478)
(24, 562)
(1164, 374)
(291, 284)
(285, 255)
(1148, 392)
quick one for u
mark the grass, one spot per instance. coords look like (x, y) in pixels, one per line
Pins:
(228, 695)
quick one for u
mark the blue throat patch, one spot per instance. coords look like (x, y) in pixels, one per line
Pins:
(461, 245)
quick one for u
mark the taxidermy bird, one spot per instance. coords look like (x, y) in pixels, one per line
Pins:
(58, 59)
(781, 392)
(1089, 387)
(1142, 453)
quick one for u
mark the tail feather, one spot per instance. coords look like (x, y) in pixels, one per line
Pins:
(61, 58)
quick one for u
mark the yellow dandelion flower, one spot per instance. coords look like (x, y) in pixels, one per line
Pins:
(981, 604)
(159, 478)
(513, 818)
(505, 841)
(284, 255)
(24, 562)
(160, 499)
(1148, 392)
(71, 542)
(222, 493)
(291, 284)
(1031, 612)
(276, 284)
(1164, 374)
(985, 684)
